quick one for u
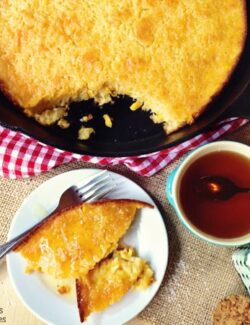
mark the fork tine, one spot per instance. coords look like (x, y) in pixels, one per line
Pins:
(82, 184)
(101, 186)
(101, 194)
(97, 187)
(93, 184)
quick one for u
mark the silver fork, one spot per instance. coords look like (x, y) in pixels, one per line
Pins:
(94, 189)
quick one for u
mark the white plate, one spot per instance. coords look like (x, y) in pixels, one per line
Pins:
(147, 234)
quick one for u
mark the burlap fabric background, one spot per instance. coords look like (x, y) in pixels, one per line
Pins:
(198, 274)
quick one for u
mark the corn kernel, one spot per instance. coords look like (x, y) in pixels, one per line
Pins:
(64, 124)
(86, 118)
(85, 133)
(136, 105)
(63, 289)
(107, 120)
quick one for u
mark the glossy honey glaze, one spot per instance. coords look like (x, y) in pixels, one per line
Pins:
(73, 241)
(223, 219)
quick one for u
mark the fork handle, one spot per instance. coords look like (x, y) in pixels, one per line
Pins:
(7, 247)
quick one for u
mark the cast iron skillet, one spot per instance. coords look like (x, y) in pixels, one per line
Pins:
(133, 133)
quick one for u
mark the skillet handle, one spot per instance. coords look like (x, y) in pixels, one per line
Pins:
(240, 108)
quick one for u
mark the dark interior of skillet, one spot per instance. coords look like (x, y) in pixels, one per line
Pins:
(133, 133)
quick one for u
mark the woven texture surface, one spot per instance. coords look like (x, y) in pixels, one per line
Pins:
(198, 274)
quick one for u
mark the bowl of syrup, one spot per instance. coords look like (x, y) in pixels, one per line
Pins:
(223, 222)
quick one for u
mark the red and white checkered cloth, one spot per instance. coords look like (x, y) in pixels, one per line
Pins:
(22, 156)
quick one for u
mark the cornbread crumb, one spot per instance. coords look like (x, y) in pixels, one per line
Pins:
(136, 105)
(63, 289)
(107, 120)
(85, 133)
(157, 118)
(233, 310)
(50, 117)
(29, 269)
(146, 278)
(86, 118)
(64, 124)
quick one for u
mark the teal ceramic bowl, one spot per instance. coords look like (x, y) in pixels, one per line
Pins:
(173, 189)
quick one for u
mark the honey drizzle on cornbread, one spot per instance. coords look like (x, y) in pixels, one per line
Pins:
(72, 242)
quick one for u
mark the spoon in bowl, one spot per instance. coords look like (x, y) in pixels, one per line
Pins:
(218, 188)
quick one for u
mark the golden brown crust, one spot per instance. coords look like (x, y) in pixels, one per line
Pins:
(110, 280)
(145, 65)
(141, 204)
(71, 242)
(237, 60)
(6, 93)
(80, 295)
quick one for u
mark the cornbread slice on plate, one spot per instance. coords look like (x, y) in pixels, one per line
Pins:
(73, 241)
(172, 56)
(110, 280)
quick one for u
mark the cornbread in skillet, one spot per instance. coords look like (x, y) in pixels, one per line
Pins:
(172, 56)
(110, 280)
(72, 242)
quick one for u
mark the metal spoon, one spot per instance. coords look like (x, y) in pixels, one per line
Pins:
(218, 188)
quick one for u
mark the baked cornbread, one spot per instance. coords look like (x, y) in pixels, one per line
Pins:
(72, 242)
(109, 281)
(171, 55)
